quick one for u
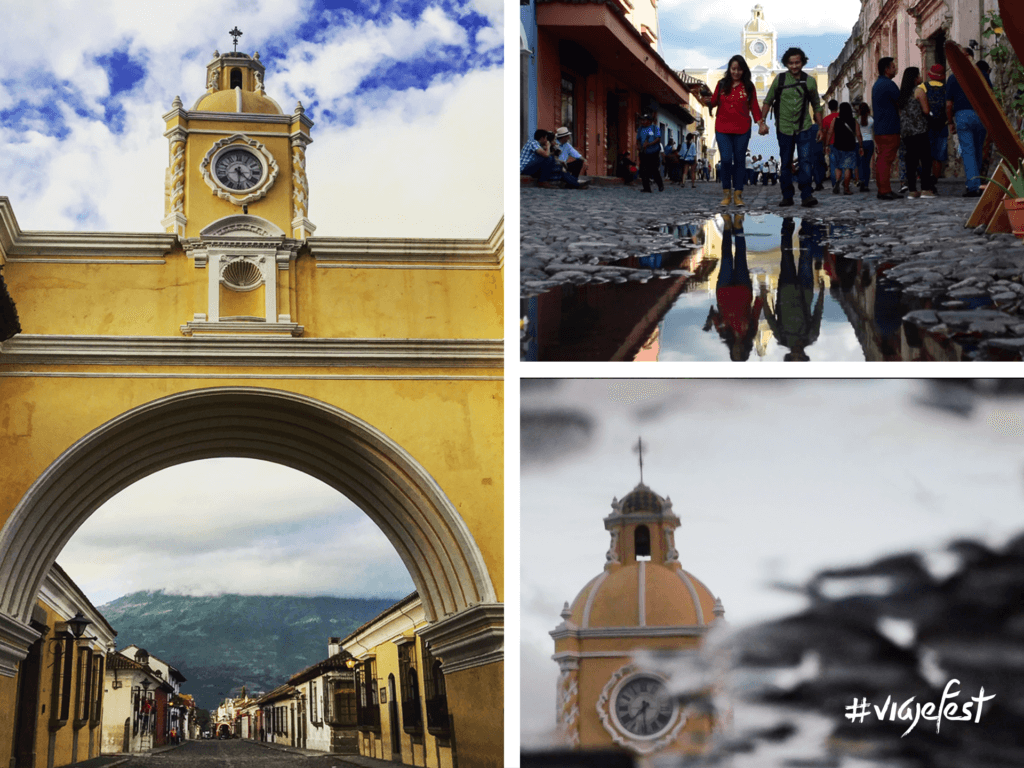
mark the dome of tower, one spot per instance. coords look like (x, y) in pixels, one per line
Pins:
(228, 101)
(642, 499)
(644, 594)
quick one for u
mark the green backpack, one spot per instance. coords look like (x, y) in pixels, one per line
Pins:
(777, 101)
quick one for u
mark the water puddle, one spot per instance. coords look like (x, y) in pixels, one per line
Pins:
(743, 288)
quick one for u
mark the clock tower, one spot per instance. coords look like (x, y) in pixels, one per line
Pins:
(759, 41)
(237, 197)
(642, 606)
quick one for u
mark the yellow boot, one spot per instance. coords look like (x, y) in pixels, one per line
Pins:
(727, 197)
(738, 197)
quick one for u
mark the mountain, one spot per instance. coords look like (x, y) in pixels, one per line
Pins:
(222, 643)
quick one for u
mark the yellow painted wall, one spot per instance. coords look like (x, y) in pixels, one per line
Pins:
(478, 730)
(156, 300)
(64, 752)
(8, 697)
(244, 303)
(399, 303)
(452, 428)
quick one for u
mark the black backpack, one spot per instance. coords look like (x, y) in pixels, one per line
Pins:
(777, 101)
(936, 105)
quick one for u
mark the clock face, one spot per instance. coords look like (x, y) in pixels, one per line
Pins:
(643, 706)
(758, 47)
(238, 169)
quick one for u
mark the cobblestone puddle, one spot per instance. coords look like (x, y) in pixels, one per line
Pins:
(755, 287)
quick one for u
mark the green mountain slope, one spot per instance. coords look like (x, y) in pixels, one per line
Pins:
(222, 643)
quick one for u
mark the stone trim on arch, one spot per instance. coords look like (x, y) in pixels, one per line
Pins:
(323, 441)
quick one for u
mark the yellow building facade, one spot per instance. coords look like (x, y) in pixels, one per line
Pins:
(57, 716)
(374, 365)
(643, 606)
(759, 46)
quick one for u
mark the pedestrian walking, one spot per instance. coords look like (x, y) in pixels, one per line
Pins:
(735, 98)
(795, 323)
(648, 140)
(688, 156)
(573, 161)
(828, 145)
(934, 88)
(846, 141)
(738, 312)
(965, 123)
(790, 96)
(913, 104)
(885, 95)
(867, 132)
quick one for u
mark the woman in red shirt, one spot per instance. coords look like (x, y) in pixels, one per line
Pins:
(736, 99)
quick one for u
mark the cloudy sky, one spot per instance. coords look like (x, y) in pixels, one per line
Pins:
(396, 88)
(232, 525)
(772, 481)
(697, 34)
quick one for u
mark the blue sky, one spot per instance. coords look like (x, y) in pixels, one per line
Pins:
(83, 88)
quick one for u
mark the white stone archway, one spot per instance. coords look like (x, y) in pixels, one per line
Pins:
(323, 441)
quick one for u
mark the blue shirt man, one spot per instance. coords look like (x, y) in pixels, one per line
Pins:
(648, 139)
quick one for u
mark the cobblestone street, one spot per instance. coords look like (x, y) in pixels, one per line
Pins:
(960, 292)
(235, 753)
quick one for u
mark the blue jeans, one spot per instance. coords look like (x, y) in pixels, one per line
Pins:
(972, 144)
(733, 147)
(548, 169)
(864, 163)
(803, 144)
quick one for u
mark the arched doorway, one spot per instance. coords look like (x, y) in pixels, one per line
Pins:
(321, 440)
(297, 431)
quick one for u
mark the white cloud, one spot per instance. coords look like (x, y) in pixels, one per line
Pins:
(365, 179)
(789, 17)
(242, 526)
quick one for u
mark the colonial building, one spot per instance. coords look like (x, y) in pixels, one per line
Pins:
(759, 45)
(130, 715)
(328, 691)
(172, 712)
(914, 32)
(401, 693)
(593, 68)
(643, 601)
(374, 365)
(58, 709)
(278, 721)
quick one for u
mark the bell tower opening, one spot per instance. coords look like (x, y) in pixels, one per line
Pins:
(236, 78)
(642, 543)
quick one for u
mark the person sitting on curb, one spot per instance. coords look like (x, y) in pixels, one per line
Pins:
(537, 160)
(573, 161)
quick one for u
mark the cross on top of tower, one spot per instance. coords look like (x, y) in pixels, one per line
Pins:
(639, 450)
(235, 34)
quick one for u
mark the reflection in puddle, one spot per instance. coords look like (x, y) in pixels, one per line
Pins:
(762, 288)
(751, 288)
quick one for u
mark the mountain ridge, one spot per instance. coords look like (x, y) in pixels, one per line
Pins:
(220, 643)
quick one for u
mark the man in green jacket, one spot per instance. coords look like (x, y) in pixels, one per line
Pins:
(796, 127)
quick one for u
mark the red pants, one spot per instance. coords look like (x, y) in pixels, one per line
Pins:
(886, 147)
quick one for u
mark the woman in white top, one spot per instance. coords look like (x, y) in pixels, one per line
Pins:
(867, 131)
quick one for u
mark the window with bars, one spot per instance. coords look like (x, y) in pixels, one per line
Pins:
(412, 717)
(83, 693)
(98, 671)
(368, 711)
(341, 701)
(435, 695)
(314, 715)
(62, 668)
